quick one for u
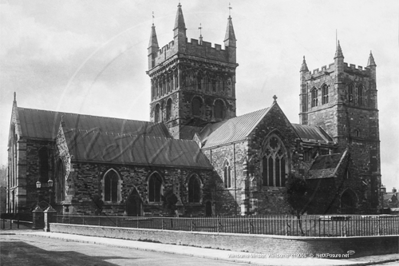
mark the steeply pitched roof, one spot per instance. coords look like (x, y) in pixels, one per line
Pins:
(104, 147)
(234, 129)
(311, 133)
(326, 166)
(42, 124)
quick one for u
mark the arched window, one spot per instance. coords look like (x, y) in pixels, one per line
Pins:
(169, 84)
(360, 94)
(43, 165)
(199, 81)
(111, 188)
(350, 93)
(157, 112)
(194, 189)
(219, 109)
(152, 89)
(274, 158)
(169, 110)
(159, 88)
(324, 93)
(154, 188)
(196, 105)
(348, 202)
(227, 175)
(214, 85)
(60, 181)
(314, 97)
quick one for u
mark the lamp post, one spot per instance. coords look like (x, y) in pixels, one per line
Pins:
(37, 213)
(50, 184)
(49, 213)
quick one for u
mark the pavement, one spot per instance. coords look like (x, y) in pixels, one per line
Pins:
(224, 255)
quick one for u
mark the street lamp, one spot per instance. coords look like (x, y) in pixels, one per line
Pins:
(50, 184)
(49, 213)
(38, 186)
(37, 213)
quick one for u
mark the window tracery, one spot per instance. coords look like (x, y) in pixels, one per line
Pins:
(274, 158)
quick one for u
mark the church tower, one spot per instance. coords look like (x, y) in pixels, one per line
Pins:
(192, 82)
(342, 99)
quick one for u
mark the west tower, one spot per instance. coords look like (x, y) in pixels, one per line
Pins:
(342, 99)
(192, 82)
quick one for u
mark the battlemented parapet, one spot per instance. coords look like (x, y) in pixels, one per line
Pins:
(205, 50)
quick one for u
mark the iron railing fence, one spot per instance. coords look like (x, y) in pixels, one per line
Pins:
(309, 225)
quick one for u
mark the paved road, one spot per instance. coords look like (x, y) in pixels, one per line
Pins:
(23, 250)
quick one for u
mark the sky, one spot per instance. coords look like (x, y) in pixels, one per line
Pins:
(90, 57)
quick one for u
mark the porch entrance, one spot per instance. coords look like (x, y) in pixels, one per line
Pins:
(134, 204)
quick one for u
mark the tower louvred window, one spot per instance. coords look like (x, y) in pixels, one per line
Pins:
(324, 94)
(314, 97)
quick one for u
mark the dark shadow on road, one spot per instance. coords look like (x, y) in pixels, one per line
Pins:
(19, 253)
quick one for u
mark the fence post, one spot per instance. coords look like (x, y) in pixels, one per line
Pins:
(379, 225)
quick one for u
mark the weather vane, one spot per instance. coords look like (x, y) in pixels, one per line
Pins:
(153, 17)
(230, 8)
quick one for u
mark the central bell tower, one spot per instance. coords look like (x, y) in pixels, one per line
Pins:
(192, 82)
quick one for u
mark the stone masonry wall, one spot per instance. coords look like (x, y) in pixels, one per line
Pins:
(33, 173)
(87, 185)
(228, 200)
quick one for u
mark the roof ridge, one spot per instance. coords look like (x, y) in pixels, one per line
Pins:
(123, 135)
(78, 114)
(250, 113)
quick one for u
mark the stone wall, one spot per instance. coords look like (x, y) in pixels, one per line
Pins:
(29, 174)
(86, 186)
(228, 199)
(256, 244)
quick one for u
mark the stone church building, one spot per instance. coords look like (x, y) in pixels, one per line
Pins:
(196, 157)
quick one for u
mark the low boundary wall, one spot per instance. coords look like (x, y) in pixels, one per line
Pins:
(326, 247)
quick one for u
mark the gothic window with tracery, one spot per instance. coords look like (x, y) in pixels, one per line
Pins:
(227, 175)
(274, 158)
(194, 189)
(314, 97)
(154, 188)
(324, 92)
(111, 189)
